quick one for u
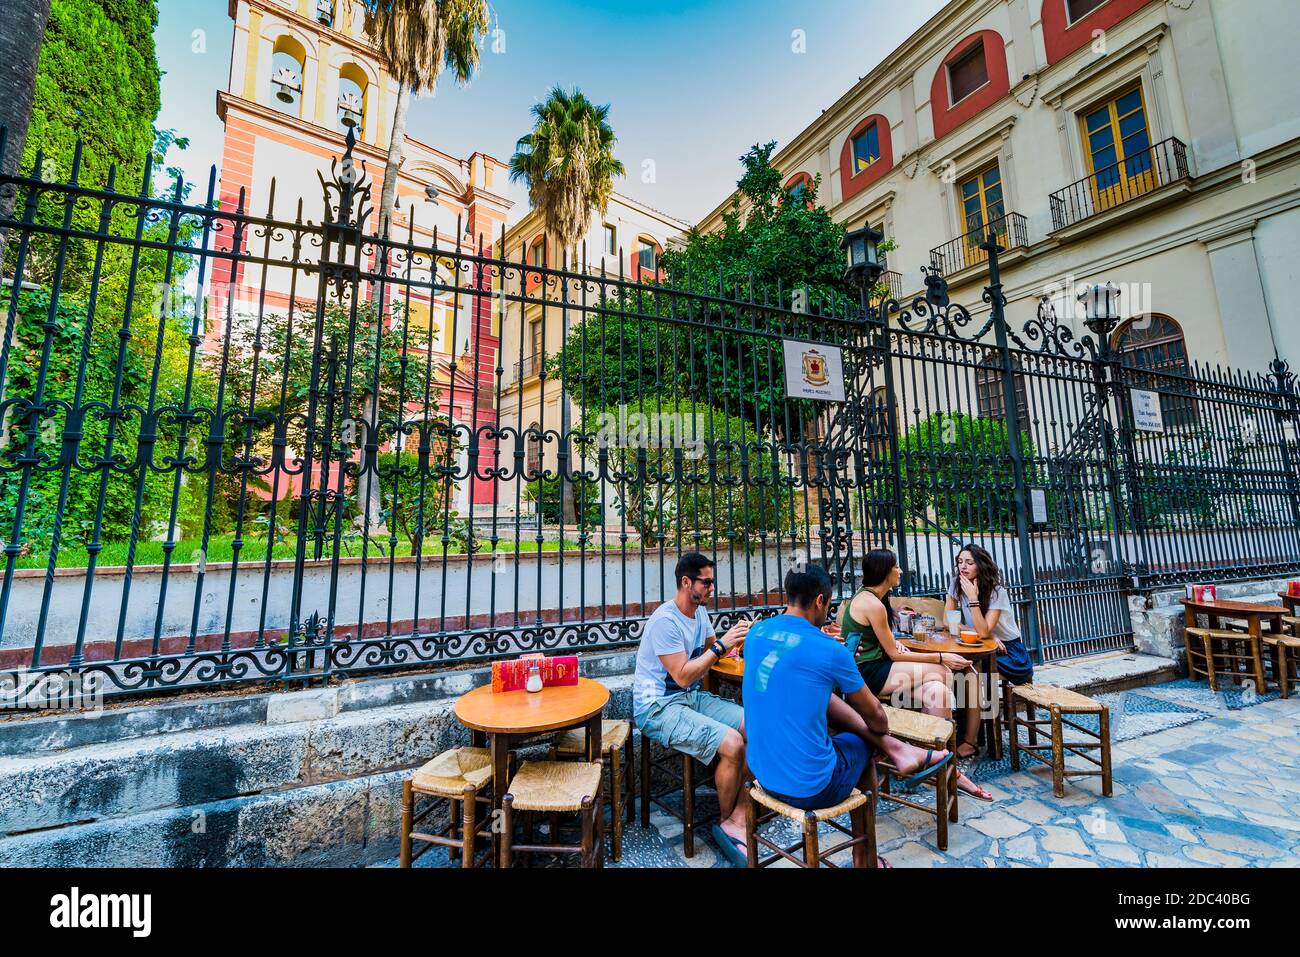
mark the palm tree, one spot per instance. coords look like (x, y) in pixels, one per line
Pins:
(22, 28)
(418, 39)
(568, 163)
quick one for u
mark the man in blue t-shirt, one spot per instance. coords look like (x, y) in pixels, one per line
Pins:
(792, 670)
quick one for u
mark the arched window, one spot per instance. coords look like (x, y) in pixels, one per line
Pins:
(800, 187)
(866, 155)
(647, 258)
(288, 60)
(1070, 25)
(1153, 349)
(972, 77)
(989, 395)
(353, 86)
(533, 451)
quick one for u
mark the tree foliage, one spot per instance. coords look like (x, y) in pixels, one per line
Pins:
(957, 471)
(568, 162)
(685, 473)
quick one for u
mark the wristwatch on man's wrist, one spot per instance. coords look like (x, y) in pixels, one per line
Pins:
(718, 648)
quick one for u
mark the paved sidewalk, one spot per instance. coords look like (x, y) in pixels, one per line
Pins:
(1200, 780)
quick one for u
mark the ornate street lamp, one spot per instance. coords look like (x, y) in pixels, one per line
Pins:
(864, 267)
(1101, 309)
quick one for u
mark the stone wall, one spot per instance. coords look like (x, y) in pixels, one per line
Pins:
(1157, 615)
(280, 779)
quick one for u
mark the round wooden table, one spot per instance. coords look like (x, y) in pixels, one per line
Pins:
(982, 656)
(508, 717)
(1253, 613)
(727, 669)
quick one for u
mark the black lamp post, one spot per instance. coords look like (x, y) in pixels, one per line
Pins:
(864, 267)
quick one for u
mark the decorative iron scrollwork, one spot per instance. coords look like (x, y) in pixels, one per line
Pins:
(1049, 337)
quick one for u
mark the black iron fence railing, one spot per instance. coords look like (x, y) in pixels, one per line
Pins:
(226, 456)
(1133, 177)
(1010, 231)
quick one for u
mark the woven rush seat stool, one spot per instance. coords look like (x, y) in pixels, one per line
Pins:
(1285, 656)
(860, 807)
(1060, 703)
(1225, 654)
(683, 775)
(616, 739)
(934, 734)
(553, 788)
(462, 777)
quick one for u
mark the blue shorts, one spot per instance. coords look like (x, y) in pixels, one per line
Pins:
(851, 757)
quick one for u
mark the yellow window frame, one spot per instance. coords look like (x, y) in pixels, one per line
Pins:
(1126, 186)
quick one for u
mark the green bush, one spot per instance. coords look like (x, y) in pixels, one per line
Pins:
(414, 502)
(547, 492)
(711, 481)
(957, 469)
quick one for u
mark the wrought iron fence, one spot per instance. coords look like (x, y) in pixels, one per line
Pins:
(239, 446)
(1134, 176)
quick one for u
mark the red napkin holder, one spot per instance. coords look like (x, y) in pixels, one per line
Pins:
(1293, 588)
(557, 671)
(1203, 593)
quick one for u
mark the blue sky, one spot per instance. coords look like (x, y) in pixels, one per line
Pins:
(691, 83)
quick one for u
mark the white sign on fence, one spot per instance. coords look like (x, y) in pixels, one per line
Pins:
(1146, 411)
(813, 371)
(1038, 505)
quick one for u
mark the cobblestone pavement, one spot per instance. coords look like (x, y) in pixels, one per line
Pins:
(1200, 780)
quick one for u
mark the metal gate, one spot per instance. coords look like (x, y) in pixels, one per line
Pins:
(243, 446)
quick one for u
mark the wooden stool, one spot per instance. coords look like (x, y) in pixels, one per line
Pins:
(1229, 654)
(1060, 702)
(1286, 657)
(460, 777)
(1196, 646)
(935, 734)
(556, 787)
(683, 780)
(862, 834)
(616, 739)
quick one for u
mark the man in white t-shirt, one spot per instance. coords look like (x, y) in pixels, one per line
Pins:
(677, 650)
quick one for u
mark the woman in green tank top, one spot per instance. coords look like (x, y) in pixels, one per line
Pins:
(913, 679)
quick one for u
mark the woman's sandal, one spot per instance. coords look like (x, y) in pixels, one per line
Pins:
(974, 751)
(985, 796)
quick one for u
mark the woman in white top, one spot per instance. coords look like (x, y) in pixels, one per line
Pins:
(977, 591)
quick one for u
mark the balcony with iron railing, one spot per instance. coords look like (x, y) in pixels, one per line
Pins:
(1131, 178)
(889, 286)
(527, 367)
(1011, 232)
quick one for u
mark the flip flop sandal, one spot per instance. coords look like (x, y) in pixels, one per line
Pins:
(908, 784)
(730, 848)
(978, 797)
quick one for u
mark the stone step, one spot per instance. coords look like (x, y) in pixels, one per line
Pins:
(1113, 671)
(190, 768)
